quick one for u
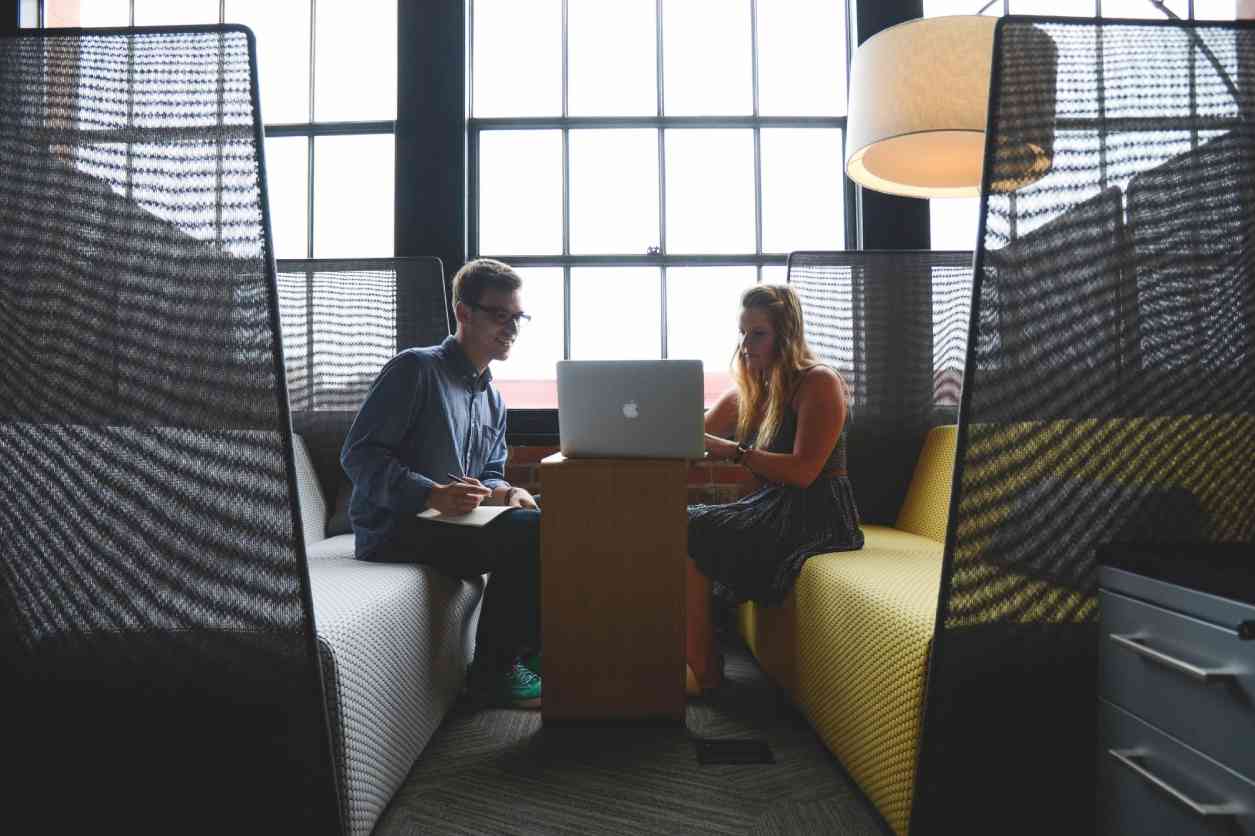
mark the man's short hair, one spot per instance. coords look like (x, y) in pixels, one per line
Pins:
(480, 275)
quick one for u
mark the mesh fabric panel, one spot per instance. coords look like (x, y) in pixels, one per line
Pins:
(894, 323)
(343, 319)
(1110, 389)
(156, 639)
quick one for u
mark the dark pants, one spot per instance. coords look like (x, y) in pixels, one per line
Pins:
(508, 549)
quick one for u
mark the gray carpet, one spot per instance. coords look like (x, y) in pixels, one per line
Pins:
(501, 771)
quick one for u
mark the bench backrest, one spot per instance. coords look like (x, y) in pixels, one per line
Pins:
(926, 509)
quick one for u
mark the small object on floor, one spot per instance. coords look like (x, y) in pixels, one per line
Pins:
(733, 750)
(517, 687)
(532, 662)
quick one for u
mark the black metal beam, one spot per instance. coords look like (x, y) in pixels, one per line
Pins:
(431, 131)
(891, 222)
(10, 16)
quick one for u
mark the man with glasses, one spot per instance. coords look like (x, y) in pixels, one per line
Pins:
(431, 435)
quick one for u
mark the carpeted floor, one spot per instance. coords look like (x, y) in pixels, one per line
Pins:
(501, 771)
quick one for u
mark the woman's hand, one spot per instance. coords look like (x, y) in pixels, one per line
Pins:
(457, 497)
(519, 498)
(719, 449)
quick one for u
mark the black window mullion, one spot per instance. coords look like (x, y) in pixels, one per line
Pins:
(662, 139)
(566, 311)
(309, 168)
(662, 170)
(758, 137)
(566, 138)
(566, 185)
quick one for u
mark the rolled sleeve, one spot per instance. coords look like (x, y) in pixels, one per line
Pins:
(370, 452)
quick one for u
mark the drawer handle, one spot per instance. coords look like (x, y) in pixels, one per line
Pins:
(1126, 757)
(1134, 643)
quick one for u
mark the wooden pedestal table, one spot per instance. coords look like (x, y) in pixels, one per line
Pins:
(613, 542)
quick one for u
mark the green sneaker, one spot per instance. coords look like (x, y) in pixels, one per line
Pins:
(532, 662)
(520, 687)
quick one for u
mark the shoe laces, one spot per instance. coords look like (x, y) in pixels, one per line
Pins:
(524, 675)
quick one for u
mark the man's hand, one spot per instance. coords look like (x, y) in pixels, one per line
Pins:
(457, 497)
(519, 498)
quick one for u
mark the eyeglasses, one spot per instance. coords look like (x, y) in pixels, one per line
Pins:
(502, 315)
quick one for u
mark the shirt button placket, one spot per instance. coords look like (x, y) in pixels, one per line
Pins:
(470, 427)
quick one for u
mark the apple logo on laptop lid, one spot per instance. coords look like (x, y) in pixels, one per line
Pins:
(631, 410)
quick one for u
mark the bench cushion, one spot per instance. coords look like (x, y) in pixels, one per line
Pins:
(394, 641)
(864, 633)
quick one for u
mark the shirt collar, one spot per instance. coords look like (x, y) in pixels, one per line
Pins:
(462, 366)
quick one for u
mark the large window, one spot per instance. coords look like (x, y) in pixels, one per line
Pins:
(642, 162)
(953, 221)
(327, 73)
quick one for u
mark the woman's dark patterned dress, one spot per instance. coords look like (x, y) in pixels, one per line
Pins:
(754, 548)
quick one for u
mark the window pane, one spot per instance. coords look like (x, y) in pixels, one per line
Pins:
(938, 8)
(614, 191)
(516, 58)
(616, 313)
(703, 316)
(801, 58)
(182, 13)
(1143, 9)
(710, 191)
(28, 14)
(287, 169)
(1053, 8)
(282, 30)
(803, 190)
(71, 13)
(612, 65)
(520, 192)
(528, 380)
(953, 222)
(353, 191)
(706, 58)
(1216, 10)
(775, 273)
(355, 57)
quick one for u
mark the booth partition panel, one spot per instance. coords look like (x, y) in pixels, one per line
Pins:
(894, 324)
(157, 647)
(343, 319)
(1109, 393)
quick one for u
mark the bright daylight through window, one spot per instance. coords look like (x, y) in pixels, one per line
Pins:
(641, 170)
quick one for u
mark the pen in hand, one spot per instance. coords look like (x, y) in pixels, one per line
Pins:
(462, 480)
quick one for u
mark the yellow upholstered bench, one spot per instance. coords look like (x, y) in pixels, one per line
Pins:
(851, 643)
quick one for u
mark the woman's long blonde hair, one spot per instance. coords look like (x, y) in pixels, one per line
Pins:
(763, 398)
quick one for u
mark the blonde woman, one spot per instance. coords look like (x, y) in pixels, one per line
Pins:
(784, 421)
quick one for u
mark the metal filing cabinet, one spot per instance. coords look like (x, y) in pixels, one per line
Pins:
(1176, 709)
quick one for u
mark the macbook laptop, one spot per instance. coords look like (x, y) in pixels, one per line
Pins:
(631, 409)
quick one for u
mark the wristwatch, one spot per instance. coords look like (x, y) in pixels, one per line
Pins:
(741, 449)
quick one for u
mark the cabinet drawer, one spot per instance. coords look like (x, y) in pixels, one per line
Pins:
(1163, 787)
(1194, 680)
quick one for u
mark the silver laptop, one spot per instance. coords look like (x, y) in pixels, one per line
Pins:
(631, 409)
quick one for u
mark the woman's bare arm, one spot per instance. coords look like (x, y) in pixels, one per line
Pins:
(721, 418)
(821, 409)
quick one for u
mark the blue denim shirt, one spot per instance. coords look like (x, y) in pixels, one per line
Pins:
(429, 413)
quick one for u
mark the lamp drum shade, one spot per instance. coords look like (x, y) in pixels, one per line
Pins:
(919, 96)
